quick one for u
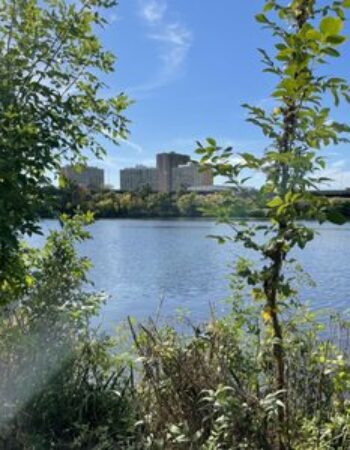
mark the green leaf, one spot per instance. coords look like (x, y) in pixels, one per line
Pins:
(268, 7)
(275, 203)
(346, 3)
(336, 40)
(331, 52)
(261, 18)
(331, 26)
(220, 239)
(62, 181)
(211, 142)
(336, 217)
(313, 34)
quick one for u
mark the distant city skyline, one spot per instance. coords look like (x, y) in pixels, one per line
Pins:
(172, 173)
(86, 176)
(113, 165)
(112, 176)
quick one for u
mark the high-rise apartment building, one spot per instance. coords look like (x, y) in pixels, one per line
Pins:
(190, 175)
(166, 162)
(135, 178)
(89, 177)
(174, 172)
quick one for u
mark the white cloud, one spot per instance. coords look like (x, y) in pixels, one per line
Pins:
(176, 41)
(173, 39)
(340, 164)
(339, 173)
(153, 10)
(114, 18)
(132, 145)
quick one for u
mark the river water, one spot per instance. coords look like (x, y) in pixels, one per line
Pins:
(141, 263)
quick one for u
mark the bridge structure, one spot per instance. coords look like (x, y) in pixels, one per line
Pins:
(330, 193)
(342, 193)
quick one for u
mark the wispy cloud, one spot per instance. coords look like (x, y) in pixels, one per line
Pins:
(339, 172)
(153, 10)
(132, 145)
(114, 18)
(174, 41)
(177, 41)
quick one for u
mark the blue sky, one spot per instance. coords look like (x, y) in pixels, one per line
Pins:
(188, 65)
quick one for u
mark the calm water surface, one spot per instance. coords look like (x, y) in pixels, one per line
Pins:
(141, 262)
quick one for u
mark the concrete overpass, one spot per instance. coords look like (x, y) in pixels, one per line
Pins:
(343, 193)
(331, 193)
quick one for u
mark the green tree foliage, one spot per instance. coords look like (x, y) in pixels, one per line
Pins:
(188, 204)
(214, 389)
(307, 35)
(60, 387)
(113, 204)
(52, 104)
(248, 203)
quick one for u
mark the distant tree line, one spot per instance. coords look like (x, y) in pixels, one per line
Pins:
(144, 203)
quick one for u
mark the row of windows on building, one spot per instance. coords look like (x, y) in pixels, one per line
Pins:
(173, 172)
(89, 177)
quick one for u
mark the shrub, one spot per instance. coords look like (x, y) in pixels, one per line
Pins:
(214, 389)
(60, 385)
